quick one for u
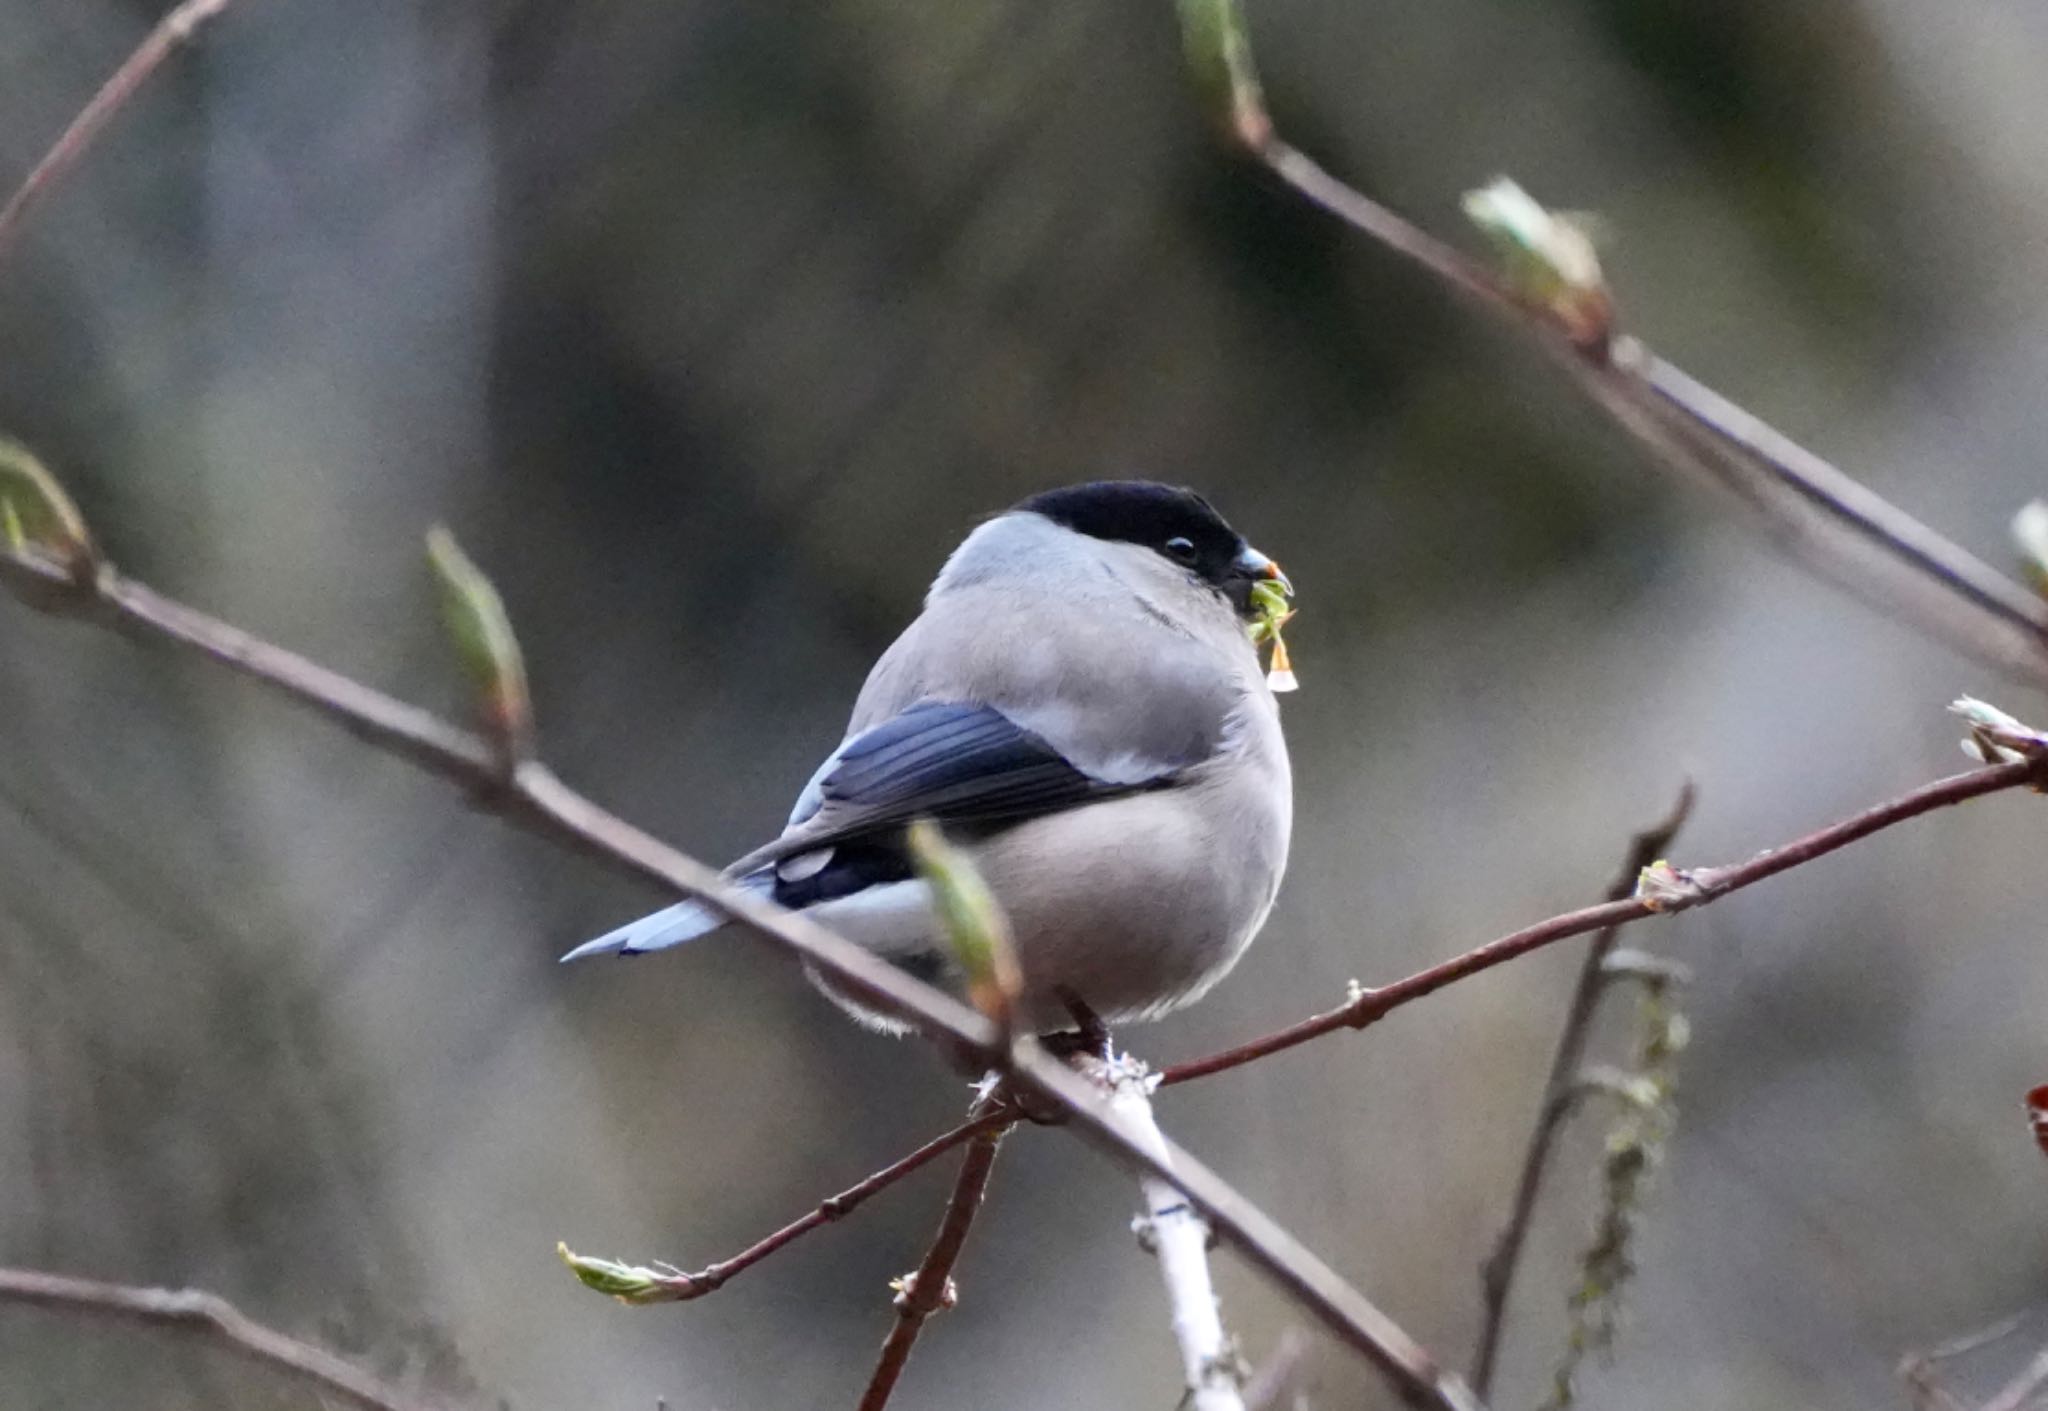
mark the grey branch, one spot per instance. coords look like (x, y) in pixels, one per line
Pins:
(211, 1316)
(1178, 1236)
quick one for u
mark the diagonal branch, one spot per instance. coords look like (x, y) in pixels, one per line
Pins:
(839, 1206)
(1497, 1275)
(1821, 516)
(931, 1287)
(211, 1316)
(173, 32)
(1679, 890)
(533, 797)
(666, 1284)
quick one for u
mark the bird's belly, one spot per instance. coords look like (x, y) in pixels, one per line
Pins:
(1135, 905)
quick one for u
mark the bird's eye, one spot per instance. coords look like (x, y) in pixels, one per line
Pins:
(1181, 550)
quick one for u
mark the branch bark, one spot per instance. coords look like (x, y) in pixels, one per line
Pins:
(1828, 522)
(173, 32)
(1497, 1275)
(665, 1284)
(1180, 1239)
(1687, 889)
(931, 1287)
(210, 1316)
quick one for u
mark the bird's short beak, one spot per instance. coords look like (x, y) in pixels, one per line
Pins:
(1255, 565)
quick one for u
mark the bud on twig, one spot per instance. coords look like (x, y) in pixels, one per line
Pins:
(1548, 259)
(630, 1283)
(37, 517)
(484, 642)
(1662, 887)
(904, 1286)
(971, 921)
(1995, 737)
(1219, 54)
(2030, 532)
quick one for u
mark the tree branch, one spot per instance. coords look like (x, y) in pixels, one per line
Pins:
(534, 798)
(1179, 1237)
(931, 1287)
(664, 1284)
(210, 1316)
(1825, 519)
(1681, 890)
(172, 33)
(838, 1206)
(1497, 1275)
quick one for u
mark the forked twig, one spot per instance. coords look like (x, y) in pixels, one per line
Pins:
(931, 1287)
(664, 1283)
(836, 1207)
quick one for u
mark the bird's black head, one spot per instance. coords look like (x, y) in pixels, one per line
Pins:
(1176, 524)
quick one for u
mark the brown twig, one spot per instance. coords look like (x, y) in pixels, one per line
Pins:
(1831, 523)
(931, 1287)
(1497, 1275)
(171, 33)
(534, 798)
(211, 1316)
(1687, 889)
(680, 1288)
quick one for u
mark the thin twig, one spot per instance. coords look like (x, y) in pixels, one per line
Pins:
(1277, 1374)
(1916, 1369)
(1831, 523)
(1174, 1232)
(537, 800)
(173, 32)
(680, 1288)
(1695, 887)
(211, 1316)
(931, 1287)
(1927, 1393)
(1497, 1275)
(2017, 1392)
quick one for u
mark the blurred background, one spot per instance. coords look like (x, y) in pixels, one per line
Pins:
(710, 329)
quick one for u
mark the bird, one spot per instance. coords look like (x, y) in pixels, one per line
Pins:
(1081, 707)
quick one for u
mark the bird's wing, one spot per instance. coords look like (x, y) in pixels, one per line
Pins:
(954, 761)
(1006, 699)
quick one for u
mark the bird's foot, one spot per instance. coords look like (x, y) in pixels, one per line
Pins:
(1089, 1034)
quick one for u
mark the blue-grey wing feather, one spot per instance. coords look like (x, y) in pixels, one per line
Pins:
(951, 760)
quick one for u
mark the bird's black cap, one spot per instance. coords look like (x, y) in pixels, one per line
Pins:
(1151, 514)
